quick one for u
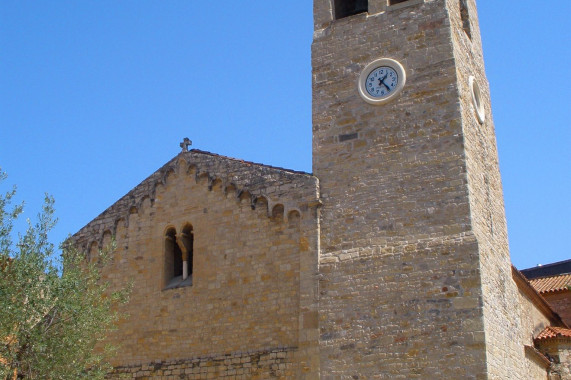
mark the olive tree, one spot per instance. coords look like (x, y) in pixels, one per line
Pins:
(55, 310)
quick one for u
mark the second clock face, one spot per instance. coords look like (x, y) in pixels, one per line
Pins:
(382, 82)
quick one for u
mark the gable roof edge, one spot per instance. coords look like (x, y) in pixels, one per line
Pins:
(525, 287)
(244, 176)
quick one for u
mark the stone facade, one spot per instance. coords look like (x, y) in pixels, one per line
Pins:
(242, 365)
(424, 211)
(389, 261)
(254, 266)
(559, 350)
(535, 316)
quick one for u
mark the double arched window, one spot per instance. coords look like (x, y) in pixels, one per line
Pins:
(178, 257)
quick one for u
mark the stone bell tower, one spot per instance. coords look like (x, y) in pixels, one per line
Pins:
(415, 275)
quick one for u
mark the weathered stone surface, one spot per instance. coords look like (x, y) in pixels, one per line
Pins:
(269, 364)
(391, 261)
(434, 298)
(254, 263)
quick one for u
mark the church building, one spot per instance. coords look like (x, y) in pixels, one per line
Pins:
(389, 261)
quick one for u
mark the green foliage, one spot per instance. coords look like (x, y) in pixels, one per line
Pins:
(50, 318)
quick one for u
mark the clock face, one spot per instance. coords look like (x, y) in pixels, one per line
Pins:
(477, 100)
(382, 82)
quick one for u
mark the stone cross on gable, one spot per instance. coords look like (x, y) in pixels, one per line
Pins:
(185, 144)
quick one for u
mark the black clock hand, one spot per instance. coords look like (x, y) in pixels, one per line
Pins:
(382, 81)
(388, 88)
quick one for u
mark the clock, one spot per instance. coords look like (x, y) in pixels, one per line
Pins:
(381, 80)
(477, 100)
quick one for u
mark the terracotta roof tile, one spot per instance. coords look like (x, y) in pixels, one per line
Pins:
(554, 332)
(551, 283)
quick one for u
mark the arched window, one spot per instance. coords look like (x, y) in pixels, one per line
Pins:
(465, 18)
(345, 8)
(178, 257)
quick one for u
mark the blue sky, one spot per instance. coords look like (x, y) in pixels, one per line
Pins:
(96, 95)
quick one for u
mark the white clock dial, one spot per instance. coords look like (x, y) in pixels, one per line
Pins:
(477, 100)
(382, 81)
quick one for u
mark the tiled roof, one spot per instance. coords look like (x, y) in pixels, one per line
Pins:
(551, 283)
(524, 286)
(248, 162)
(554, 332)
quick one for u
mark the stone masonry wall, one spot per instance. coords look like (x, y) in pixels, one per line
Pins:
(394, 264)
(400, 292)
(535, 315)
(533, 321)
(535, 365)
(561, 303)
(275, 364)
(487, 213)
(253, 282)
(560, 352)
